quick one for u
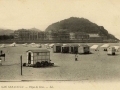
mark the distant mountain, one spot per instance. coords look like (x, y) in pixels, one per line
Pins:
(6, 31)
(9, 31)
(34, 29)
(31, 29)
(75, 24)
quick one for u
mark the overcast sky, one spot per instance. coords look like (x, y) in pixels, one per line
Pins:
(17, 14)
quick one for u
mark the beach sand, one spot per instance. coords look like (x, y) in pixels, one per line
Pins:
(97, 66)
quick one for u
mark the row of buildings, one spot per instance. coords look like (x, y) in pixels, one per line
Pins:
(24, 34)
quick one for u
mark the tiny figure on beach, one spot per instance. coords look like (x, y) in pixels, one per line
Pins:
(1, 51)
(76, 57)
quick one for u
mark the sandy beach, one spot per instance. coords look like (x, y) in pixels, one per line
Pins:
(97, 66)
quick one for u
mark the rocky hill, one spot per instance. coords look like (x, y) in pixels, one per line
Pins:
(74, 24)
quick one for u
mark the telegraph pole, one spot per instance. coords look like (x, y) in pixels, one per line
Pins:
(21, 63)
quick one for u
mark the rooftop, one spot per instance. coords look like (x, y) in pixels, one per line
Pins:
(38, 50)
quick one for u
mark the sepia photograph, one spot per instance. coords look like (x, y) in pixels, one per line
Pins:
(59, 44)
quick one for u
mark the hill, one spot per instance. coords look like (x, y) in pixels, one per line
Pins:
(34, 29)
(9, 31)
(31, 29)
(6, 31)
(74, 24)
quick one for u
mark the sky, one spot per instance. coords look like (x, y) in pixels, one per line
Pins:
(17, 14)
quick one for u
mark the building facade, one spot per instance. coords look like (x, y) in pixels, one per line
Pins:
(23, 34)
(72, 36)
(81, 36)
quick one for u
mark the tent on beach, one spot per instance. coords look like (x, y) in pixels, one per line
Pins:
(35, 45)
(51, 45)
(105, 46)
(13, 44)
(3, 46)
(46, 45)
(25, 44)
(32, 44)
(94, 48)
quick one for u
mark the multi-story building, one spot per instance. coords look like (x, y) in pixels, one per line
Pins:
(23, 34)
(41, 35)
(48, 35)
(95, 36)
(57, 35)
(81, 36)
(64, 35)
(72, 36)
(33, 35)
(16, 35)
